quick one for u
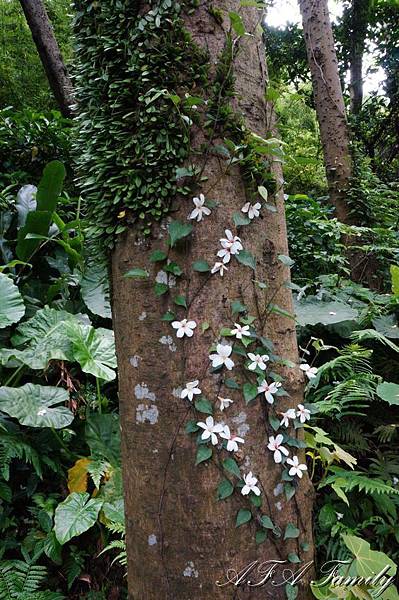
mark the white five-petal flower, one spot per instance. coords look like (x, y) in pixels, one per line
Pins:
(288, 414)
(250, 485)
(269, 390)
(309, 371)
(224, 402)
(190, 390)
(220, 268)
(184, 327)
(231, 244)
(240, 330)
(251, 209)
(275, 446)
(200, 209)
(303, 413)
(258, 360)
(232, 440)
(222, 357)
(296, 467)
(210, 429)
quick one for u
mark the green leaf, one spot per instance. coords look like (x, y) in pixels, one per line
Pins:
(178, 231)
(367, 562)
(267, 523)
(260, 536)
(231, 384)
(158, 256)
(94, 288)
(50, 186)
(312, 311)
(136, 273)
(102, 435)
(203, 454)
(169, 316)
(286, 260)
(203, 405)
(36, 405)
(202, 266)
(114, 511)
(237, 307)
(180, 301)
(291, 591)
(93, 349)
(239, 219)
(247, 259)
(263, 192)
(191, 427)
(225, 489)
(231, 466)
(237, 23)
(389, 392)
(250, 392)
(293, 558)
(291, 532)
(12, 307)
(75, 515)
(395, 279)
(243, 516)
(173, 268)
(160, 289)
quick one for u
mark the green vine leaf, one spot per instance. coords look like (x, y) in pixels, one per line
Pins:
(293, 558)
(237, 307)
(225, 489)
(174, 268)
(291, 591)
(243, 516)
(267, 523)
(178, 231)
(160, 289)
(286, 260)
(247, 259)
(158, 256)
(250, 391)
(203, 405)
(201, 266)
(136, 274)
(237, 23)
(181, 301)
(260, 536)
(291, 532)
(203, 454)
(240, 220)
(263, 192)
(192, 427)
(231, 466)
(168, 316)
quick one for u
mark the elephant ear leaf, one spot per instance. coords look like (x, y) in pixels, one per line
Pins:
(75, 515)
(36, 405)
(12, 307)
(94, 350)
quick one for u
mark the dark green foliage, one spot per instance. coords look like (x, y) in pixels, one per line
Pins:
(133, 130)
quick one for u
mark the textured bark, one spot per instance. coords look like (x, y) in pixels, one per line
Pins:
(180, 540)
(359, 14)
(49, 52)
(329, 101)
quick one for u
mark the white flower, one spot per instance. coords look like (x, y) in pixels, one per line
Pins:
(251, 209)
(288, 414)
(240, 331)
(200, 209)
(224, 402)
(210, 430)
(269, 390)
(309, 371)
(233, 441)
(303, 413)
(339, 516)
(222, 357)
(275, 446)
(184, 327)
(231, 244)
(190, 390)
(220, 268)
(41, 412)
(257, 361)
(250, 485)
(296, 468)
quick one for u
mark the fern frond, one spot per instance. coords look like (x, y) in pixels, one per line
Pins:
(350, 480)
(13, 446)
(372, 334)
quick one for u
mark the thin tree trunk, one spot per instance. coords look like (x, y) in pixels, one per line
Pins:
(359, 13)
(50, 54)
(329, 101)
(180, 539)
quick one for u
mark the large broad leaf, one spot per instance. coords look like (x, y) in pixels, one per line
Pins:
(94, 288)
(25, 203)
(36, 405)
(47, 339)
(103, 437)
(387, 325)
(75, 515)
(367, 562)
(312, 312)
(38, 222)
(12, 307)
(94, 349)
(388, 392)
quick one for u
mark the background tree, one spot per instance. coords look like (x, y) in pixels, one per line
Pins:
(186, 121)
(329, 101)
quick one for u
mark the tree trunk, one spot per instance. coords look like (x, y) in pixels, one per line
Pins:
(49, 52)
(359, 15)
(180, 539)
(329, 101)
